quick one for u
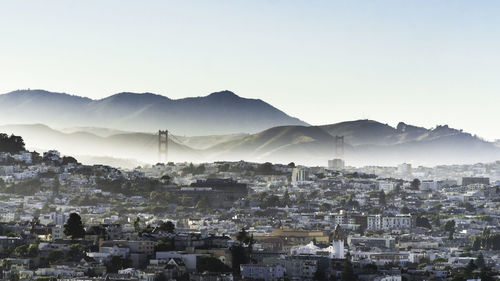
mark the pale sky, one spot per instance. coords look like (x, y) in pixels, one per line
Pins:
(421, 62)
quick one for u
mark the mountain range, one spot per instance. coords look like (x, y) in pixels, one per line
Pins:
(220, 126)
(218, 113)
(310, 145)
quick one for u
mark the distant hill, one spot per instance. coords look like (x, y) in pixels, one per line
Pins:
(367, 142)
(95, 149)
(364, 132)
(218, 113)
(285, 143)
(102, 132)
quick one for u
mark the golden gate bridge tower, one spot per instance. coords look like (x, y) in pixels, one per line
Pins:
(162, 146)
(338, 162)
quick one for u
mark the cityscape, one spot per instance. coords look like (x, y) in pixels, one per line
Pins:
(255, 141)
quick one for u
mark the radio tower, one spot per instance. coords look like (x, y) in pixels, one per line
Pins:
(162, 146)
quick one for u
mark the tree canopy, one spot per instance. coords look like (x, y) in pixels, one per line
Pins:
(12, 144)
(74, 226)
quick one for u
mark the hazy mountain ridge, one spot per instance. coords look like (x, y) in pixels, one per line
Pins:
(139, 146)
(366, 142)
(361, 132)
(289, 140)
(218, 113)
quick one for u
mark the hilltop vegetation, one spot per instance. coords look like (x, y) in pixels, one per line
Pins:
(11, 144)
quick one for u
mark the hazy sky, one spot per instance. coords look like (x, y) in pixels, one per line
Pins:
(421, 62)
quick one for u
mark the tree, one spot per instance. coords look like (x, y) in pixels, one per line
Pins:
(286, 198)
(56, 185)
(76, 252)
(137, 222)
(381, 198)
(423, 222)
(476, 244)
(11, 144)
(291, 165)
(45, 278)
(160, 277)
(116, 263)
(450, 227)
(486, 275)
(480, 261)
(203, 204)
(211, 264)
(450, 235)
(69, 160)
(32, 251)
(320, 275)
(415, 184)
(164, 246)
(244, 237)
(14, 277)
(471, 266)
(74, 226)
(55, 256)
(21, 251)
(370, 268)
(167, 227)
(347, 271)
(240, 255)
(200, 169)
(265, 169)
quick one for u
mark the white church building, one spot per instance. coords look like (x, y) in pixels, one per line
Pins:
(334, 251)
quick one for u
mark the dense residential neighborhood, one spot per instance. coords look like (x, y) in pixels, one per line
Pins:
(239, 220)
(262, 140)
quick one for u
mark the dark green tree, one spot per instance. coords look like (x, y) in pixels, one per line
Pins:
(76, 252)
(415, 184)
(423, 222)
(55, 256)
(486, 275)
(74, 226)
(381, 198)
(69, 160)
(319, 275)
(11, 144)
(211, 264)
(449, 225)
(265, 169)
(348, 271)
(32, 251)
(116, 263)
(14, 277)
(56, 185)
(164, 246)
(471, 266)
(167, 226)
(480, 261)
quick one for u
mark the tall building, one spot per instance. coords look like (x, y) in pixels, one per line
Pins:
(405, 169)
(473, 180)
(336, 164)
(300, 175)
